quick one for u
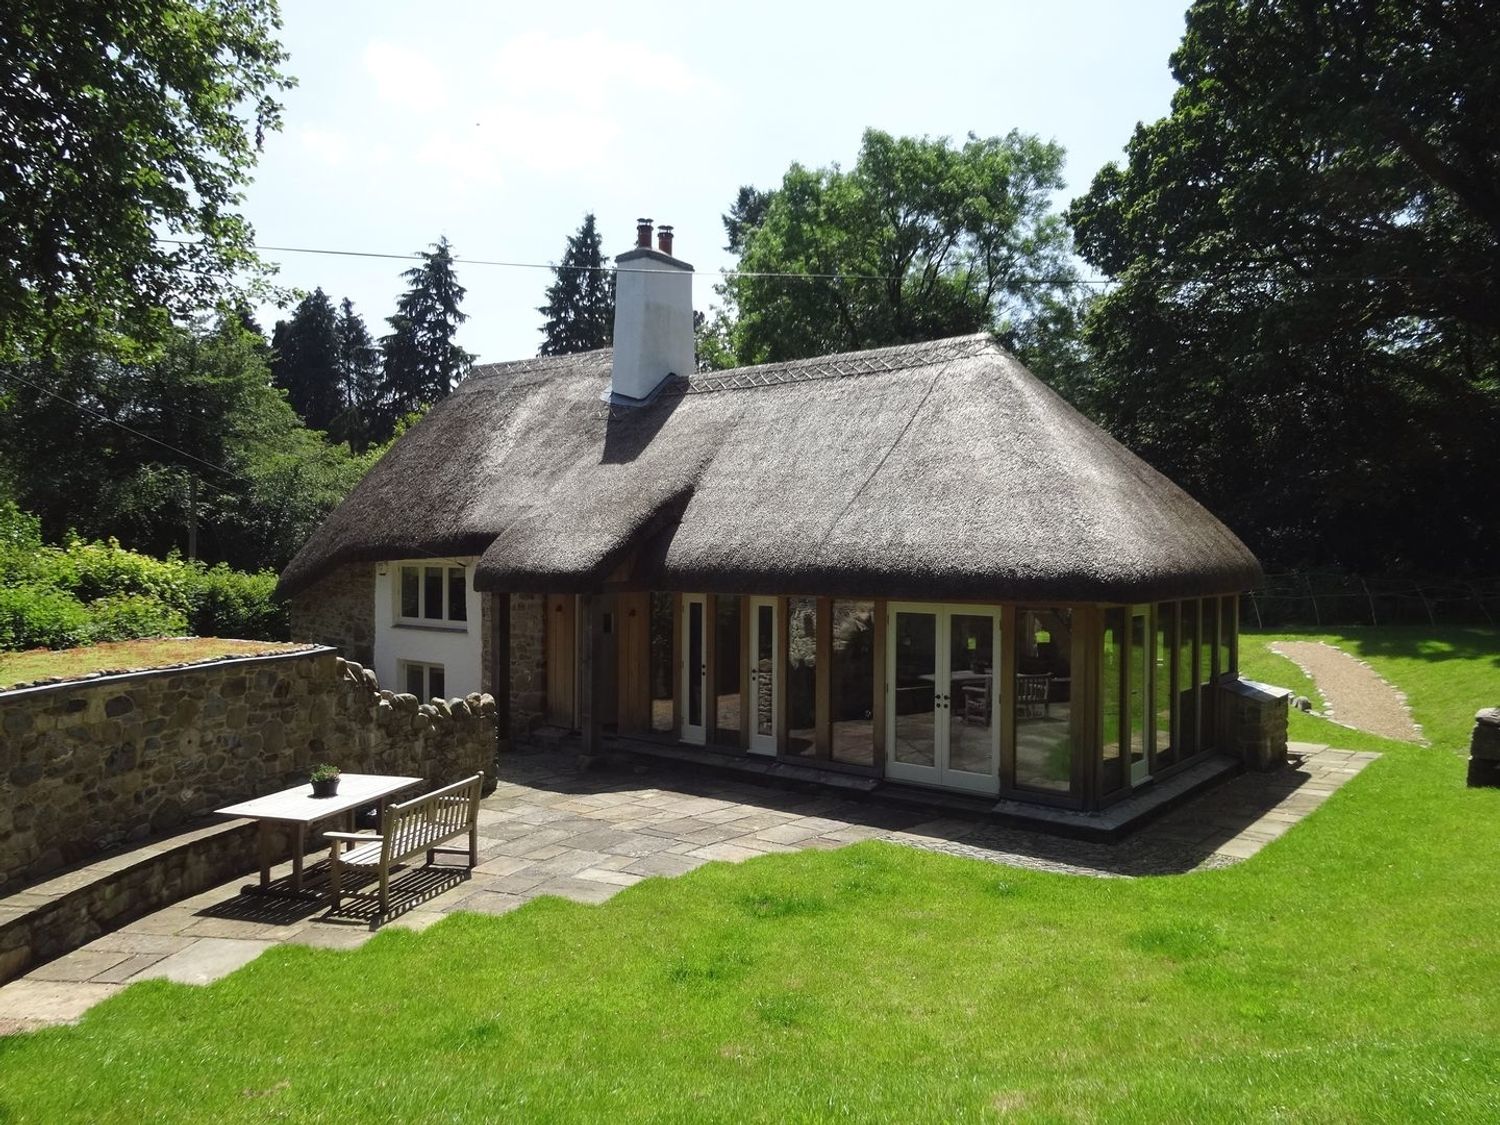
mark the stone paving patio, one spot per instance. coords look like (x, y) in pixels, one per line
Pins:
(549, 830)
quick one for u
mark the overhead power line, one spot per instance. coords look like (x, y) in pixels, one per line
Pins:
(1248, 274)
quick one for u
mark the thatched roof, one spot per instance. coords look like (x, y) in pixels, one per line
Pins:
(939, 470)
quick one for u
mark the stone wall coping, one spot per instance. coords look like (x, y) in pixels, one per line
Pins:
(1489, 716)
(110, 678)
(63, 883)
(1254, 689)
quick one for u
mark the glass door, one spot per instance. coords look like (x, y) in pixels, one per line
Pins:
(943, 713)
(763, 657)
(694, 668)
(1138, 687)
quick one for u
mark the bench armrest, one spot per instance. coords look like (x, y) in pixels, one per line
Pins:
(358, 837)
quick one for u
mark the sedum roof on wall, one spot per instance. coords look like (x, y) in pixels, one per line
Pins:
(937, 470)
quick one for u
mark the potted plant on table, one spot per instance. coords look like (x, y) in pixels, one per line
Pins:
(325, 780)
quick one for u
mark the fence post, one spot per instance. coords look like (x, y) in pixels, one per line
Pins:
(1369, 597)
(1255, 605)
(1479, 601)
(1427, 605)
(1317, 617)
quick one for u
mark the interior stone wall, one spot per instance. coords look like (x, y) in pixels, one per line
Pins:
(91, 763)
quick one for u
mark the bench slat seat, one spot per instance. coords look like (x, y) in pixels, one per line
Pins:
(423, 824)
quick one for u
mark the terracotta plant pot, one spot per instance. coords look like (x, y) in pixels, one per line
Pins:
(326, 787)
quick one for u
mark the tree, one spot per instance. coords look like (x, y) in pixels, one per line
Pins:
(920, 240)
(359, 378)
(580, 308)
(124, 127)
(306, 361)
(422, 363)
(1305, 326)
(138, 449)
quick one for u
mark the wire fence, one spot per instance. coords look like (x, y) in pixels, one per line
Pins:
(1333, 598)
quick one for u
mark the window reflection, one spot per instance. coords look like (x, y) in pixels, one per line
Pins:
(852, 683)
(660, 671)
(1044, 692)
(802, 676)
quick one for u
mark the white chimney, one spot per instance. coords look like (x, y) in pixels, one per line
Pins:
(653, 317)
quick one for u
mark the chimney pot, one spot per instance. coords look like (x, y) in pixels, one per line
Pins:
(664, 238)
(643, 233)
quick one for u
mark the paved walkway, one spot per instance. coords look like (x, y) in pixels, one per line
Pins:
(548, 830)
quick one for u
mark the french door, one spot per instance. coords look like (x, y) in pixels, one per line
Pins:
(695, 697)
(943, 704)
(764, 654)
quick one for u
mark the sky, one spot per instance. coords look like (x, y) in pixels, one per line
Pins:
(500, 125)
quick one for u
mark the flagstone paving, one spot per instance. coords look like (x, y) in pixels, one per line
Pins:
(548, 829)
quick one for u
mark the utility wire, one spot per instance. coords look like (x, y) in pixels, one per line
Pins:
(1251, 273)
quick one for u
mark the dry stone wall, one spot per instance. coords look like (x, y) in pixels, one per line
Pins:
(88, 764)
(1484, 749)
(1257, 715)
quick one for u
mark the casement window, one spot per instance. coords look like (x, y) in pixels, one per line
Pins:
(433, 595)
(425, 681)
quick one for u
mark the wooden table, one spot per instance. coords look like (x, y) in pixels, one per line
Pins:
(299, 808)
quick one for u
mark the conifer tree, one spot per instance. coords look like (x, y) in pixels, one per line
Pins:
(422, 363)
(306, 361)
(580, 308)
(359, 378)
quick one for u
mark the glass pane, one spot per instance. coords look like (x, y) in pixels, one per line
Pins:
(852, 683)
(1208, 653)
(1139, 687)
(1166, 622)
(458, 601)
(729, 648)
(764, 672)
(661, 662)
(1044, 741)
(972, 746)
(410, 606)
(695, 664)
(414, 681)
(435, 686)
(1186, 688)
(916, 675)
(1226, 635)
(432, 592)
(801, 675)
(1112, 775)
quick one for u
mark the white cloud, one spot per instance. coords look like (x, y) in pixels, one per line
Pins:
(406, 77)
(588, 67)
(326, 146)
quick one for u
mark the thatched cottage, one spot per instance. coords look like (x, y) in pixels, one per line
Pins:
(917, 563)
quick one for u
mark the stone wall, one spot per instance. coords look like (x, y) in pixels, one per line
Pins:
(1484, 749)
(339, 611)
(528, 662)
(1255, 715)
(88, 764)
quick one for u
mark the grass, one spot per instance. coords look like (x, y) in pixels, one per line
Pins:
(1345, 973)
(122, 656)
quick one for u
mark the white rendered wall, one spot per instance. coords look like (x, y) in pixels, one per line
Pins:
(653, 323)
(456, 645)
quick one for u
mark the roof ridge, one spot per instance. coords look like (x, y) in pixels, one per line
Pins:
(838, 365)
(536, 363)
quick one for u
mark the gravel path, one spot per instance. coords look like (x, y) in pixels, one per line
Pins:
(1355, 695)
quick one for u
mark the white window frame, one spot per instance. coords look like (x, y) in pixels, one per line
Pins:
(405, 667)
(445, 620)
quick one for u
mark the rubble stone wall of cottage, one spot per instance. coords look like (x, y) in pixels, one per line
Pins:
(339, 611)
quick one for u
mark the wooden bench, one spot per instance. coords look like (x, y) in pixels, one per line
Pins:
(408, 829)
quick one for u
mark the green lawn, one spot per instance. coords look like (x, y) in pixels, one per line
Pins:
(1348, 972)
